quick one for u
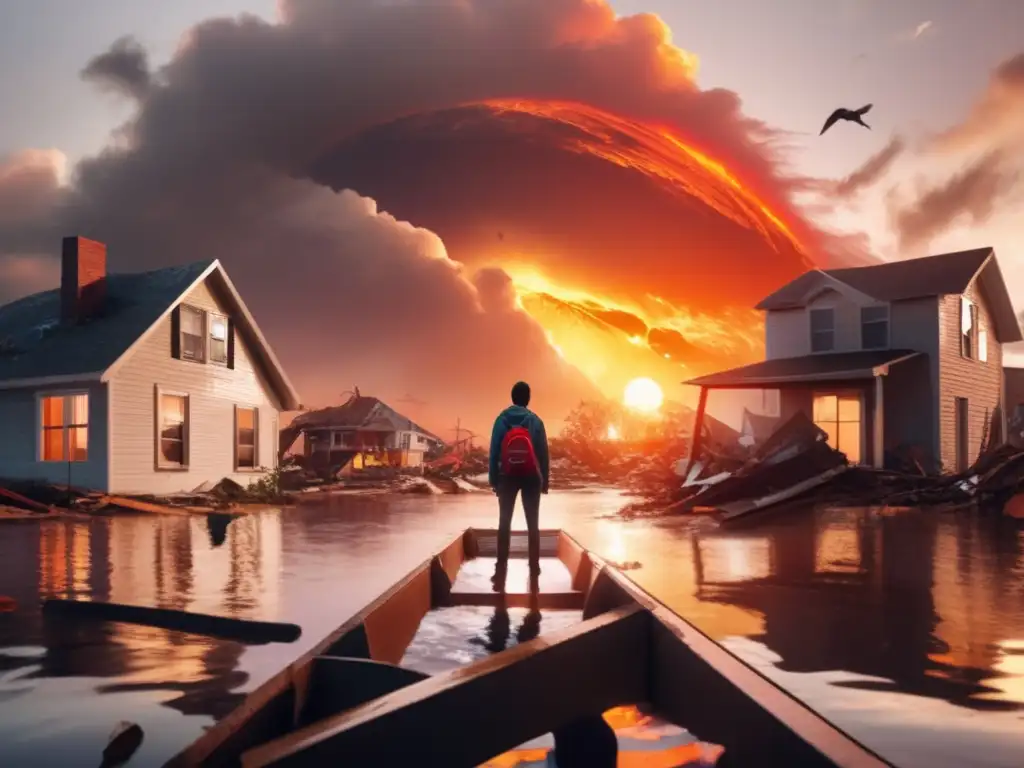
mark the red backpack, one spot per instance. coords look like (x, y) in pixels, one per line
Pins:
(518, 458)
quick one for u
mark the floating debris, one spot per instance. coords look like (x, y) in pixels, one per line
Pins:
(125, 741)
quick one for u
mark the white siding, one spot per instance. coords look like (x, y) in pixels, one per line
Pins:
(20, 434)
(213, 392)
(788, 332)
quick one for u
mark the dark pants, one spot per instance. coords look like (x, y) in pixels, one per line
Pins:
(508, 489)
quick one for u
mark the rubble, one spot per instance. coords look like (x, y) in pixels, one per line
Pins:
(797, 464)
(27, 499)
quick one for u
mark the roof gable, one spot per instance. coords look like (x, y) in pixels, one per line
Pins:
(39, 350)
(800, 292)
(34, 345)
(940, 275)
(1000, 306)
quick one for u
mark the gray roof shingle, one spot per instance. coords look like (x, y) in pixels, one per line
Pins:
(940, 275)
(818, 367)
(33, 344)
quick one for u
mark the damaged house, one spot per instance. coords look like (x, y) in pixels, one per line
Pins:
(888, 359)
(360, 433)
(147, 383)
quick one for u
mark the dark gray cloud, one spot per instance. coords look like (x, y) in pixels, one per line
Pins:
(123, 68)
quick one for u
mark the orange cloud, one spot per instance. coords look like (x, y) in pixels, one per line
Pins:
(989, 143)
(997, 117)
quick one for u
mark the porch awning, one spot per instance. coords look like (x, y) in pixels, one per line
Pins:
(828, 366)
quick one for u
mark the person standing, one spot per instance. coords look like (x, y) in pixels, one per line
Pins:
(518, 465)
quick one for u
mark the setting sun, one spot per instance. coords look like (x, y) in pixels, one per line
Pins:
(613, 432)
(643, 394)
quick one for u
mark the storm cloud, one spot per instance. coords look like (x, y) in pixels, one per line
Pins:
(218, 159)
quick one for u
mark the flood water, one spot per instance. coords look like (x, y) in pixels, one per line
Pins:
(907, 631)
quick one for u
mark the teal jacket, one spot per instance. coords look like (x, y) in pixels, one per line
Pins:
(517, 416)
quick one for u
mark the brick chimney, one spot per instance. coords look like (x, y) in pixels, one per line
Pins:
(83, 279)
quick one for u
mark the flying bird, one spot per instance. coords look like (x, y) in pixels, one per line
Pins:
(853, 115)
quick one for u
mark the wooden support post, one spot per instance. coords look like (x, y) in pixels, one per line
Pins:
(698, 428)
(878, 425)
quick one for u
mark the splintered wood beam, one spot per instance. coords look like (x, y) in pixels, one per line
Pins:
(223, 627)
(450, 719)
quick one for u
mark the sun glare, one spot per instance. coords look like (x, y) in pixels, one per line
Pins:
(613, 432)
(643, 394)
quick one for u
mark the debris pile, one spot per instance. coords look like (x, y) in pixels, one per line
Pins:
(797, 464)
(31, 499)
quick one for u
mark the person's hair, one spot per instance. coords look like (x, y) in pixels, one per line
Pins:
(521, 394)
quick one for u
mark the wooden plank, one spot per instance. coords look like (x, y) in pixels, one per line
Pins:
(339, 684)
(31, 504)
(576, 560)
(391, 626)
(257, 719)
(135, 505)
(543, 601)
(486, 542)
(737, 706)
(606, 594)
(226, 628)
(731, 511)
(452, 557)
(740, 708)
(420, 719)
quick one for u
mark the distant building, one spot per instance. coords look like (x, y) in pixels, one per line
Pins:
(137, 383)
(901, 354)
(362, 432)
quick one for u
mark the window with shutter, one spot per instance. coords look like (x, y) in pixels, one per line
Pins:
(192, 323)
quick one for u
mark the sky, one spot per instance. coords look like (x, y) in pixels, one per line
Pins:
(571, 214)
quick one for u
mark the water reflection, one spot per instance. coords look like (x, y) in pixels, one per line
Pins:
(499, 627)
(908, 631)
(163, 562)
(909, 599)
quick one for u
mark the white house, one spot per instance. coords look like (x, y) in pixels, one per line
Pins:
(903, 355)
(137, 383)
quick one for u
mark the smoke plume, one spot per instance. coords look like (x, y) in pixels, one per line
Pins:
(872, 170)
(219, 161)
